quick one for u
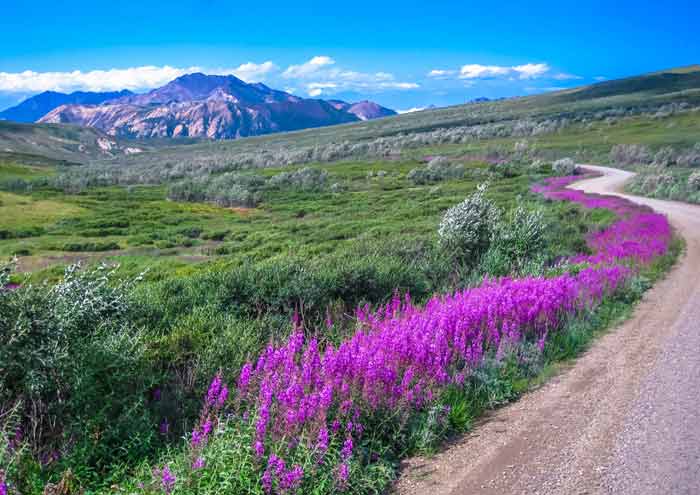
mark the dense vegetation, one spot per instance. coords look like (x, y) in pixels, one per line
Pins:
(306, 244)
(668, 173)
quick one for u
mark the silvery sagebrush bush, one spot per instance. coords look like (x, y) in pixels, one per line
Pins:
(47, 333)
(519, 236)
(631, 154)
(564, 167)
(665, 157)
(467, 228)
(694, 181)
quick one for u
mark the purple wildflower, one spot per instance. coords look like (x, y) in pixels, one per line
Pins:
(346, 452)
(198, 463)
(167, 480)
(292, 478)
(343, 476)
(214, 390)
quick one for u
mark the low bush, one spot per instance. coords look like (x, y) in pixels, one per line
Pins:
(516, 243)
(438, 169)
(304, 179)
(90, 246)
(630, 154)
(75, 374)
(467, 228)
(564, 167)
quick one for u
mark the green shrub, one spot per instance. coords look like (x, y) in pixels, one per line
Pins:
(564, 167)
(466, 229)
(90, 246)
(438, 169)
(77, 373)
(518, 240)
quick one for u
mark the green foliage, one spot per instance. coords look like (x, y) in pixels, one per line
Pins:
(89, 246)
(76, 372)
(438, 169)
(564, 167)
(518, 240)
(467, 228)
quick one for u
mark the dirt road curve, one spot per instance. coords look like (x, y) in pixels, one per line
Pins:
(624, 419)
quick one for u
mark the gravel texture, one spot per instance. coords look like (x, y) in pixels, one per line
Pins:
(623, 419)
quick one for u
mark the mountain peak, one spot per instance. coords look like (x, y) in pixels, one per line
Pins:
(367, 110)
(215, 107)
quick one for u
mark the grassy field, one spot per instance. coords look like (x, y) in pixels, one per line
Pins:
(139, 227)
(49, 227)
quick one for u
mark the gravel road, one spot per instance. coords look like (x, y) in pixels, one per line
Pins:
(623, 419)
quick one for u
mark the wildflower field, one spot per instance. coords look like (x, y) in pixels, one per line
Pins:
(321, 419)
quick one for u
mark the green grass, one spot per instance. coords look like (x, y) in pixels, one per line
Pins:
(148, 227)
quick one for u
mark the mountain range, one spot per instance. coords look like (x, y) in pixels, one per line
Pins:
(32, 109)
(199, 106)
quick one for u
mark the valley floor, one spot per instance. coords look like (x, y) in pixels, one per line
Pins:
(623, 420)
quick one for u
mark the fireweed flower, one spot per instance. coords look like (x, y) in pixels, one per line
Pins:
(342, 476)
(291, 479)
(167, 480)
(402, 356)
(198, 463)
(346, 453)
(214, 390)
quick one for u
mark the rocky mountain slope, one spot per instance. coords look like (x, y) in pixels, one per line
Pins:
(62, 142)
(363, 110)
(214, 107)
(32, 109)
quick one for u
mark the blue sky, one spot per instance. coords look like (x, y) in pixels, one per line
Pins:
(402, 54)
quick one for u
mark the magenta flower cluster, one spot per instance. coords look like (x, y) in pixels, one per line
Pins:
(165, 478)
(638, 236)
(403, 356)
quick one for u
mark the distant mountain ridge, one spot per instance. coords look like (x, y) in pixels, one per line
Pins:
(32, 109)
(213, 107)
(363, 110)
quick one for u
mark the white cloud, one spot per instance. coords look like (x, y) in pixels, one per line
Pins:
(530, 71)
(439, 73)
(96, 80)
(316, 89)
(477, 71)
(252, 72)
(600, 78)
(563, 76)
(134, 78)
(512, 73)
(308, 69)
(319, 75)
(324, 77)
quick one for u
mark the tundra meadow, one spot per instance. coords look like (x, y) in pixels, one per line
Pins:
(297, 313)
